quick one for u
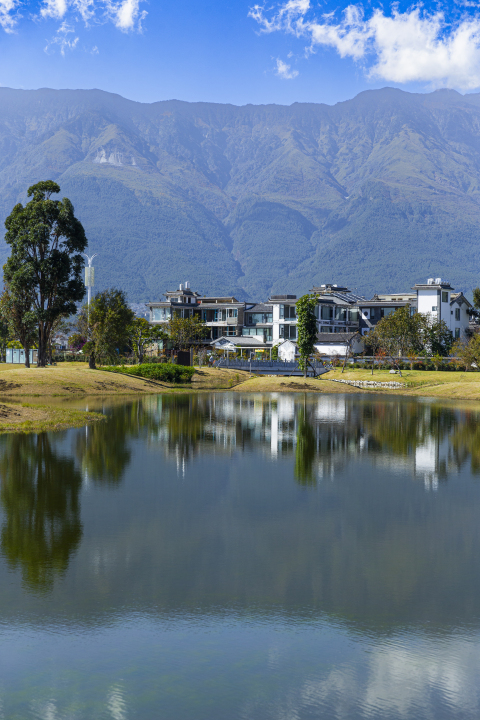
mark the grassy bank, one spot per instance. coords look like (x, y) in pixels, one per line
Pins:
(27, 418)
(47, 388)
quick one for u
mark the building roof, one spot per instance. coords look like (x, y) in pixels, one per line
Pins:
(242, 341)
(335, 338)
(259, 307)
(459, 298)
(437, 283)
(383, 303)
(216, 299)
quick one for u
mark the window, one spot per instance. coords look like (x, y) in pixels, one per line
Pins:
(266, 333)
(457, 333)
(457, 313)
(326, 329)
(160, 315)
(219, 315)
(327, 312)
(288, 312)
(259, 318)
(232, 312)
(434, 308)
(387, 311)
(353, 315)
(340, 313)
(289, 332)
(444, 296)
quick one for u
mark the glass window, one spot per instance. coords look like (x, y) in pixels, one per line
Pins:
(289, 332)
(288, 312)
(457, 333)
(387, 311)
(353, 315)
(444, 296)
(254, 318)
(434, 308)
(457, 313)
(326, 329)
(340, 313)
(327, 312)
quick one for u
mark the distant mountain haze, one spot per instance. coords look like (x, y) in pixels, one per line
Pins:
(376, 193)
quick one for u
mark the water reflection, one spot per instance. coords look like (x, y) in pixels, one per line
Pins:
(40, 497)
(245, 557)
(322, 432)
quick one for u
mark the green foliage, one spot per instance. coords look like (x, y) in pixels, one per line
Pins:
(438, 339)
(142, 335)
(467, 351)
(183, 331)
(168, 372)
(106, 325)
(306, 327)
(44, 270)
(398, 334)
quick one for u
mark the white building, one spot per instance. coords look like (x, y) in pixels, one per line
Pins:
(438, 300)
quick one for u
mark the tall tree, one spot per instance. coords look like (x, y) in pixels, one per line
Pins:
(306, 328)
(45, 264)
(105, 324)
(142, 335)
(16, 312)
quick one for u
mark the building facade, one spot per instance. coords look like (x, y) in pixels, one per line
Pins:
(339, 311)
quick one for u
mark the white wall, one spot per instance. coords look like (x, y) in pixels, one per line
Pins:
(428, 298)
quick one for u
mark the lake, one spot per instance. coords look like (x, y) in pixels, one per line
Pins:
(243, 557)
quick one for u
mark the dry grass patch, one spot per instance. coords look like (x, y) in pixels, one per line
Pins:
(28, 418)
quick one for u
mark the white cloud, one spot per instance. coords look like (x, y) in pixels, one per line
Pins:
(126, 14)
(283, 70)
(53, 9)
(8, 16)
(400, 47)
(63, 40)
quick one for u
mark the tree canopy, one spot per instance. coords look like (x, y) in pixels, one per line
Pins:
(183, 331)
(142, 335)
(45, 264)
(105, 324)
(306, 327)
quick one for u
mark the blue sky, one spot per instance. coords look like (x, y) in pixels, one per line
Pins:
(238, 51)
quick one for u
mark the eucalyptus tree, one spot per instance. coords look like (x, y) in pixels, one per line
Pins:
(45, 264)
(306, 328)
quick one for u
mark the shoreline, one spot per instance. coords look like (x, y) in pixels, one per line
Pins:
(31, 399)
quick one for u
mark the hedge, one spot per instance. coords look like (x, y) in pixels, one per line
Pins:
(155, 371)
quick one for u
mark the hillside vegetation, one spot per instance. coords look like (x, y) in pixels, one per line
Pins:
(377, 192)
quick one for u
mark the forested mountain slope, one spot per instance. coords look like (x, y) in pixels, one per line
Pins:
(377, 192)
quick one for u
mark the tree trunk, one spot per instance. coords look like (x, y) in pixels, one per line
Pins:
(27, 357)
(91, 362)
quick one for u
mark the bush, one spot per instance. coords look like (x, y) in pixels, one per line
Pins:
(156, 371)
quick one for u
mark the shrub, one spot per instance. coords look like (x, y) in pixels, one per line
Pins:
(168, 372)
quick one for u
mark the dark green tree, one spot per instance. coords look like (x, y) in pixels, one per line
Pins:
(306, 328)
(45, 263)
(142, 335)
(105, 324)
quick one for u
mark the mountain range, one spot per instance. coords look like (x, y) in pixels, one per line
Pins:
(376, 193)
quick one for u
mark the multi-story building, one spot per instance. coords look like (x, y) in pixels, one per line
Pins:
(339, 310)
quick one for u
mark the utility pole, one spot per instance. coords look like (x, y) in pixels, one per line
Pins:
(89, 280)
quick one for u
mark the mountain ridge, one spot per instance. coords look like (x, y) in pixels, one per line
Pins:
(376, 192)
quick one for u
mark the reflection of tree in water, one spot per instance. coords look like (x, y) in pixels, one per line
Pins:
(466, 441)
(40, 497)
(186, 419)
(306, 450)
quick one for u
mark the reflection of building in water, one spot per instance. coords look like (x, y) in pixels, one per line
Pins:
(401, 436)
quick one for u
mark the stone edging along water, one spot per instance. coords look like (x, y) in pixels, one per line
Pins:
(370, 383)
